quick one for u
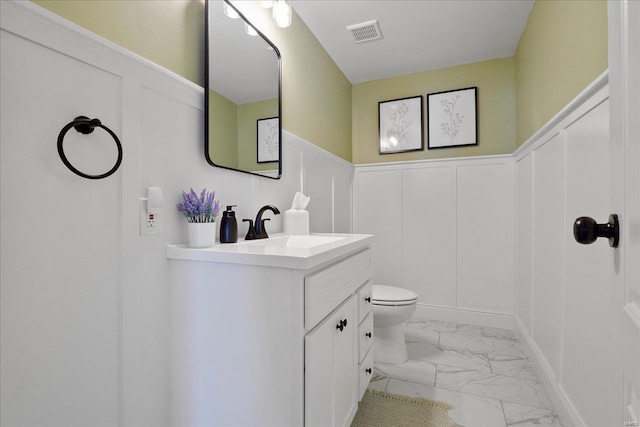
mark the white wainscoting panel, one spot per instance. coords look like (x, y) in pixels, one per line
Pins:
(429, 234)
(85, 299)
(60, 241)
(548, 249)
(321, 192)
(588, 320)
(342, 199)
(444, 229)
(562, 296)
(378, 203)
(485, 235)
(324, 177)
(524, 240)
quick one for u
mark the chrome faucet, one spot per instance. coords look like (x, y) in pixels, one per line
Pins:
(257, 230)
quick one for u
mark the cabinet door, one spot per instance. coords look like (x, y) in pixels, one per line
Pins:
(331, 381)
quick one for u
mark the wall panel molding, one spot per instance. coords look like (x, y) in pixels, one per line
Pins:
(556, 314)
(426, 243)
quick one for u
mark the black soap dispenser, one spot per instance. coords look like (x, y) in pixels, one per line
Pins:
(229, 226)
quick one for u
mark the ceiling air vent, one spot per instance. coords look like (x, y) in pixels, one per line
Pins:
(365, 32)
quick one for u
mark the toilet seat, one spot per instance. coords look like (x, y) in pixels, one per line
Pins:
(392, 296)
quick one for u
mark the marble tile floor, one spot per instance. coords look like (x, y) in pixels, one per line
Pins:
(482, 372)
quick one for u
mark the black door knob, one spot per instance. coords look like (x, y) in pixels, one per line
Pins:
(586, 230)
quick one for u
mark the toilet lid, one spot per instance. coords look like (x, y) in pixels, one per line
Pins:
(391, 294)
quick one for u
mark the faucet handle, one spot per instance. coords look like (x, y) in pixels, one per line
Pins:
(251, 233)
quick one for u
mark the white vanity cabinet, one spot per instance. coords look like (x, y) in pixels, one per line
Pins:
(269, 337)
(332, 383)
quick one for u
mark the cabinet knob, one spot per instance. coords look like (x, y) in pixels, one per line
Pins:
(368, 370)
(368, 299)
(341, 325)
(368, 335)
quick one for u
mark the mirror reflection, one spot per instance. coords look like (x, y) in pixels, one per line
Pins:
(242, 106)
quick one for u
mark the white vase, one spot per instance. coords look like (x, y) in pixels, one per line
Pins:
(201, 234)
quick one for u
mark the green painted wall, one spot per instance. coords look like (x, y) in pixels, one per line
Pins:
(169, 33)
(562, 50)
(223, 130)
(496, 103)
(316, 95)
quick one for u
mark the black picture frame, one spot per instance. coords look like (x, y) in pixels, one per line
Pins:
(452, 118)
(268, 140)
(400, 125)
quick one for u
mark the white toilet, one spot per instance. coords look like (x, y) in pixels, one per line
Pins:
(391, 307)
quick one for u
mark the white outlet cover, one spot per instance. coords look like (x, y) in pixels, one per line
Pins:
(145, 229)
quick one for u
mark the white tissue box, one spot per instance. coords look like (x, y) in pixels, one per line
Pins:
(296, 222)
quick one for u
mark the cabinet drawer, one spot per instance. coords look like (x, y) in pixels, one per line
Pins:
(327, 288)
(365, 332)
(365, 373)
(364, 301)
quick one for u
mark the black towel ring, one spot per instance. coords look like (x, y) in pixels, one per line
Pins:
(85, 125)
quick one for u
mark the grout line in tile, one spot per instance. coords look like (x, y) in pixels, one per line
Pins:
(531, 404)
(450, 389)
(460, 392)
(498, 373)
(435, 376)
(504, 414)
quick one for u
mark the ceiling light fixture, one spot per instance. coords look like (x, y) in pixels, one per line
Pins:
(281, 14)
(267, 4)
(229, 11)
(250, 30)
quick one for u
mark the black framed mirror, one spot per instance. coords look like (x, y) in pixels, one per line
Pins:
(243, 126)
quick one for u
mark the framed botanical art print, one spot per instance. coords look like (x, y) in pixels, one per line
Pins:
(453, 118)
(268, 130)
(400, 125)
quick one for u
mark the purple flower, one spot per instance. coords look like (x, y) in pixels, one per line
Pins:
(203, 208)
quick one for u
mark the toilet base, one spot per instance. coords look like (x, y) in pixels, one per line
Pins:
(389, 345)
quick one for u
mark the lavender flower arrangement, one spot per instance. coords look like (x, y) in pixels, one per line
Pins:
(199, 209)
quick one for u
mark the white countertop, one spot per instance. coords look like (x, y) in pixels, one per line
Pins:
(295, 252)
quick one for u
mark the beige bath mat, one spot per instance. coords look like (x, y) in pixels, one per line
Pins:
(381, 409)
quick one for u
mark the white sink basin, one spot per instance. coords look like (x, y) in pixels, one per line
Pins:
(304, 242)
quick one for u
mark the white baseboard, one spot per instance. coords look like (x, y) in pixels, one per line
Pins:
(493, 320)
(559, 399)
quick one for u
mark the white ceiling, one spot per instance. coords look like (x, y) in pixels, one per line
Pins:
(418, 35)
